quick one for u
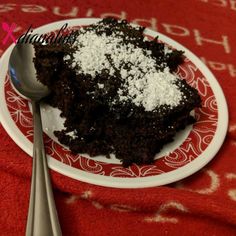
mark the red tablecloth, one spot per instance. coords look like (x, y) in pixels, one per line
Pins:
(204, 204)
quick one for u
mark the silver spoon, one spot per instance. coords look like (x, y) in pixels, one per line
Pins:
(42, 215)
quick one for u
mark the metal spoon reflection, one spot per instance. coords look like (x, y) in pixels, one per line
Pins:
(42, 214)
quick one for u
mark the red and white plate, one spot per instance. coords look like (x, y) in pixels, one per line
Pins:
(192, 148)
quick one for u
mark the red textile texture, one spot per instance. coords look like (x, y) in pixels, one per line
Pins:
(203, 204)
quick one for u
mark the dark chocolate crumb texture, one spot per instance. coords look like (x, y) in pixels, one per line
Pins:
(117, 91)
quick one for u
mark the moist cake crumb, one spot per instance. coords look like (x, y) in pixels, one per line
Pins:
(117, 91)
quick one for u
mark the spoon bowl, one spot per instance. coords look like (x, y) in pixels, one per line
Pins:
(23, 73)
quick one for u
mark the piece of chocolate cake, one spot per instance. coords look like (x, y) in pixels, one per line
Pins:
(117, 91)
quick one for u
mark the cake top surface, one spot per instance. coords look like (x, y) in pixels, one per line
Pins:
(119, 49)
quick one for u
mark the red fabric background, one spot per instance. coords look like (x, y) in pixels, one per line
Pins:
(203, 204)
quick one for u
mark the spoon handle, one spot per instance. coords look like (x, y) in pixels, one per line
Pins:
(42, 214)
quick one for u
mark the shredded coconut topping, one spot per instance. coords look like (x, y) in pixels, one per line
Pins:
(143, 81)
(72, 134)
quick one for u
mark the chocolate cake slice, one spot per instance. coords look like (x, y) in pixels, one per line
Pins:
(117, 91)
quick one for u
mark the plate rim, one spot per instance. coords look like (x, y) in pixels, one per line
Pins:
(121, 182)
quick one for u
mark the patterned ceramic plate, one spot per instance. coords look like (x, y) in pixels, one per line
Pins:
(192, 148)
